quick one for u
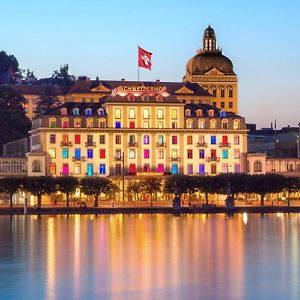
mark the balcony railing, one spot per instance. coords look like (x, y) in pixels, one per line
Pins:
(213, 159)
(90, 144)
(160, 144)
(224, 145)
(201, 144)
(66, 144)
(132, 144)
(81, 158)
(175, 158)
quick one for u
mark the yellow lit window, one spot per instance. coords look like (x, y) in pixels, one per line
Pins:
(117, 113)
(131, 113)
(174, 114)
(160, 113)
(77, 169)
(52, 168)
(146, 124)
(236, 124)
(52, 152)
(146, 113)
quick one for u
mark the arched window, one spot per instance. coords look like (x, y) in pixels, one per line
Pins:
(224, 124)
(213, 90)
(230, 92)
(211, 112)
(236, 124)
(201, 124)
(36, 166)
(76, 112)
(101, 112)
(187, 112)
(189, 123)
(63, 111)
(223, 113)
(257, 166)
(88, 112)
(213, 124)
(222, 91)
(199, 113)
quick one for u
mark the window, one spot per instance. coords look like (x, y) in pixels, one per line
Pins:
(65, 123)
(222, 104)
(146, 113)
(224, 139)
(160, 124)
(160, 113)
(146, 153)
(174, 140)
(225, 153)
(77, 153)
(90, 170)
(146, 168)
(190, 169)
(230, 104)
(236, 153)
(201, 169)
(102, 124)
(131, 113)
(63, 111)
(236, 124)
(88, 112)
(101, 112)
(118, 124)
(102, 153)
(132, 169)
(102, 139)
(174, 169)
(201, 153)
(174, 125)
(76, 112)
(236, 140)
(77, 123)
(174, 114)
(213, 153)
(132, 139)
(89, 123)
(65, 138)
(118, 139)
(90, 139)
(52, 123)
(189, 123)
(52, 168)
(211, 113)
(118, 169)
(230, 93)
(213, 169)
(118, 154)
(213, 124)
(160, 153)
(77, 138)
(214, 103)
(223, 113)
(52, 138)
(117, 113)
(237, 168)
(160, 168)
(161, 140)
(92, 100)
(89, 153)
(52, 152)
(201, 139)
(224, 168)
(77, 168)
(214, 91)
(174, 153)
(201, 124)
(199, 113)
(131, 124)
(146, 124)
(257, 166)
(36, 166)
(213, 140)
(132, 153)
(222, 94)
(65, 153)
(187, 112)
(65, 169)
(102, 169)
(189, 140)
(146, 139)
(224, 124)
(83, 99)
(190, 153)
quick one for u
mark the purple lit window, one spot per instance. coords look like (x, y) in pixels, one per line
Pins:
(65, 169)
(146, 153)
(146, 140)
(160, 168)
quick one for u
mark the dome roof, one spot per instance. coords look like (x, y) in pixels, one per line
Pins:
(205, 61)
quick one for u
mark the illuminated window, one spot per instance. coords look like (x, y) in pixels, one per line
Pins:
(52, 138)
(77, 153)
(174, 125)
(213, 140)
(146, 139)
(77, 138)
(224, 168)
(89, 153)
(174, 139)
(201, 169)
(65, 123)
(52, 168)
(189, 140)
(89, 123)
(189, 123)
(132, 153)
(146, 153)
(187, 112)
(63, 111)
(236, 140)
(77, 168)
(199, 113)
(76, 112)
(102, 169)
(118, 139)
(190, 169)
(131, 124)
(236, 153)
(52, 123)
(174, 153)
(201, 124)
(213, 124)
(65, 138)
(201, 139)
(160, 124)
(213, 169)
(160, 168)
(102, 153)
(117, 113)
(211, 112)
(65, 169)
(88, 112)
(190, 153)
(65, 153)
(145, 124)
(102, 139)
(101, 112)
(161, 139)
(160, 113)
(174, 114)
(224, 153)
(131, 113)
(132, 169)
(77, 123)
(118, 124)
(236, 124)
(90, 170)
(52, 152)
(201, 153)
(174, 169)
(160, 153)
(146, 113)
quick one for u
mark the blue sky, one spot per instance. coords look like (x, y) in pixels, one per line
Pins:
(100, 38)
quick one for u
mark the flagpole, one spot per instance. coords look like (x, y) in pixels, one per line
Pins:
(138, 66)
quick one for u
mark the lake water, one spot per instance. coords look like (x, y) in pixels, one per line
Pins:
(150, 257)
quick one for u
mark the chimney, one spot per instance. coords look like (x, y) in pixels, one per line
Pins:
(122, 79)
(157, 80)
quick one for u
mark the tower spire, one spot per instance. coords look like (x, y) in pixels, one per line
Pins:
(209, 39)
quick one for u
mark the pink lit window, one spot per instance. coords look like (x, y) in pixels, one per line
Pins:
(132, 169)
(174, 139)
(65, 169)
(160, 168)
(146, 153)
(65, 124)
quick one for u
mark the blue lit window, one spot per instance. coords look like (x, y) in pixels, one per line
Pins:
(201, 169)
(213, 140)
(76, 112)
(77, 153)
(88, 112)
(118, 124)
(201, 153)
(225, 153)
(101, 112)
(223, 113)
(65, 153)
(90, 169)
(174, 169)
(102, 169)
(90, 153)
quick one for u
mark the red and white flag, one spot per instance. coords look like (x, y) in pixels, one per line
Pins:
(144, 58)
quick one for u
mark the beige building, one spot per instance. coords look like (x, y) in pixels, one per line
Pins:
(214, 72)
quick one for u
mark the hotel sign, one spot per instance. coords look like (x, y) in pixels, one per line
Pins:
(149, 173)
(124, 90)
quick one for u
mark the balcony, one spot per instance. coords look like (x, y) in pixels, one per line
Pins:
(159, 144)
(66, 144)
(175, 158)
(202, 144)
(224, 145)
(81, 158)
(216, 159)
(132, 144)
(90, 144)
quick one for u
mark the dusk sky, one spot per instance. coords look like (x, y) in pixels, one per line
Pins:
(100, 38)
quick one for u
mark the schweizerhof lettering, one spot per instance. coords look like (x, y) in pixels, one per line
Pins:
(141, 88)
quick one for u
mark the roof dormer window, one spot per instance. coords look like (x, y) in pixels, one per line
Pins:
(223, 113)
(63, 111)
(101, 112)
(199, 113)
(187, 112)
(76, 112)
(211, 113)
(88, 112)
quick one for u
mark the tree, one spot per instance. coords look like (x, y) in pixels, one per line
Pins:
(135, 187)
(62, 76)
(182, 181)
(151, 186)
(67, 185)
(46, 102)
(7, 61)
(205, 184)
(95, 186)
(291, 185)
(39, 186)
(29, 77)
(13, 120)
(10, 185)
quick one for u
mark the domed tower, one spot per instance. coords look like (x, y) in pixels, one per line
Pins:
(214, 72)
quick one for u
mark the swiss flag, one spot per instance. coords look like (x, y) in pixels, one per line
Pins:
(144, 59)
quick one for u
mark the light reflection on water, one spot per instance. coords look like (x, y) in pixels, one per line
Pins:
(150, 257)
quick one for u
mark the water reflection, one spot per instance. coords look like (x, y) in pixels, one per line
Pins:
(150, 257)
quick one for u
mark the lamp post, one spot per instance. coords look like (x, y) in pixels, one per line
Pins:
(123, 180)
(298, 141)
